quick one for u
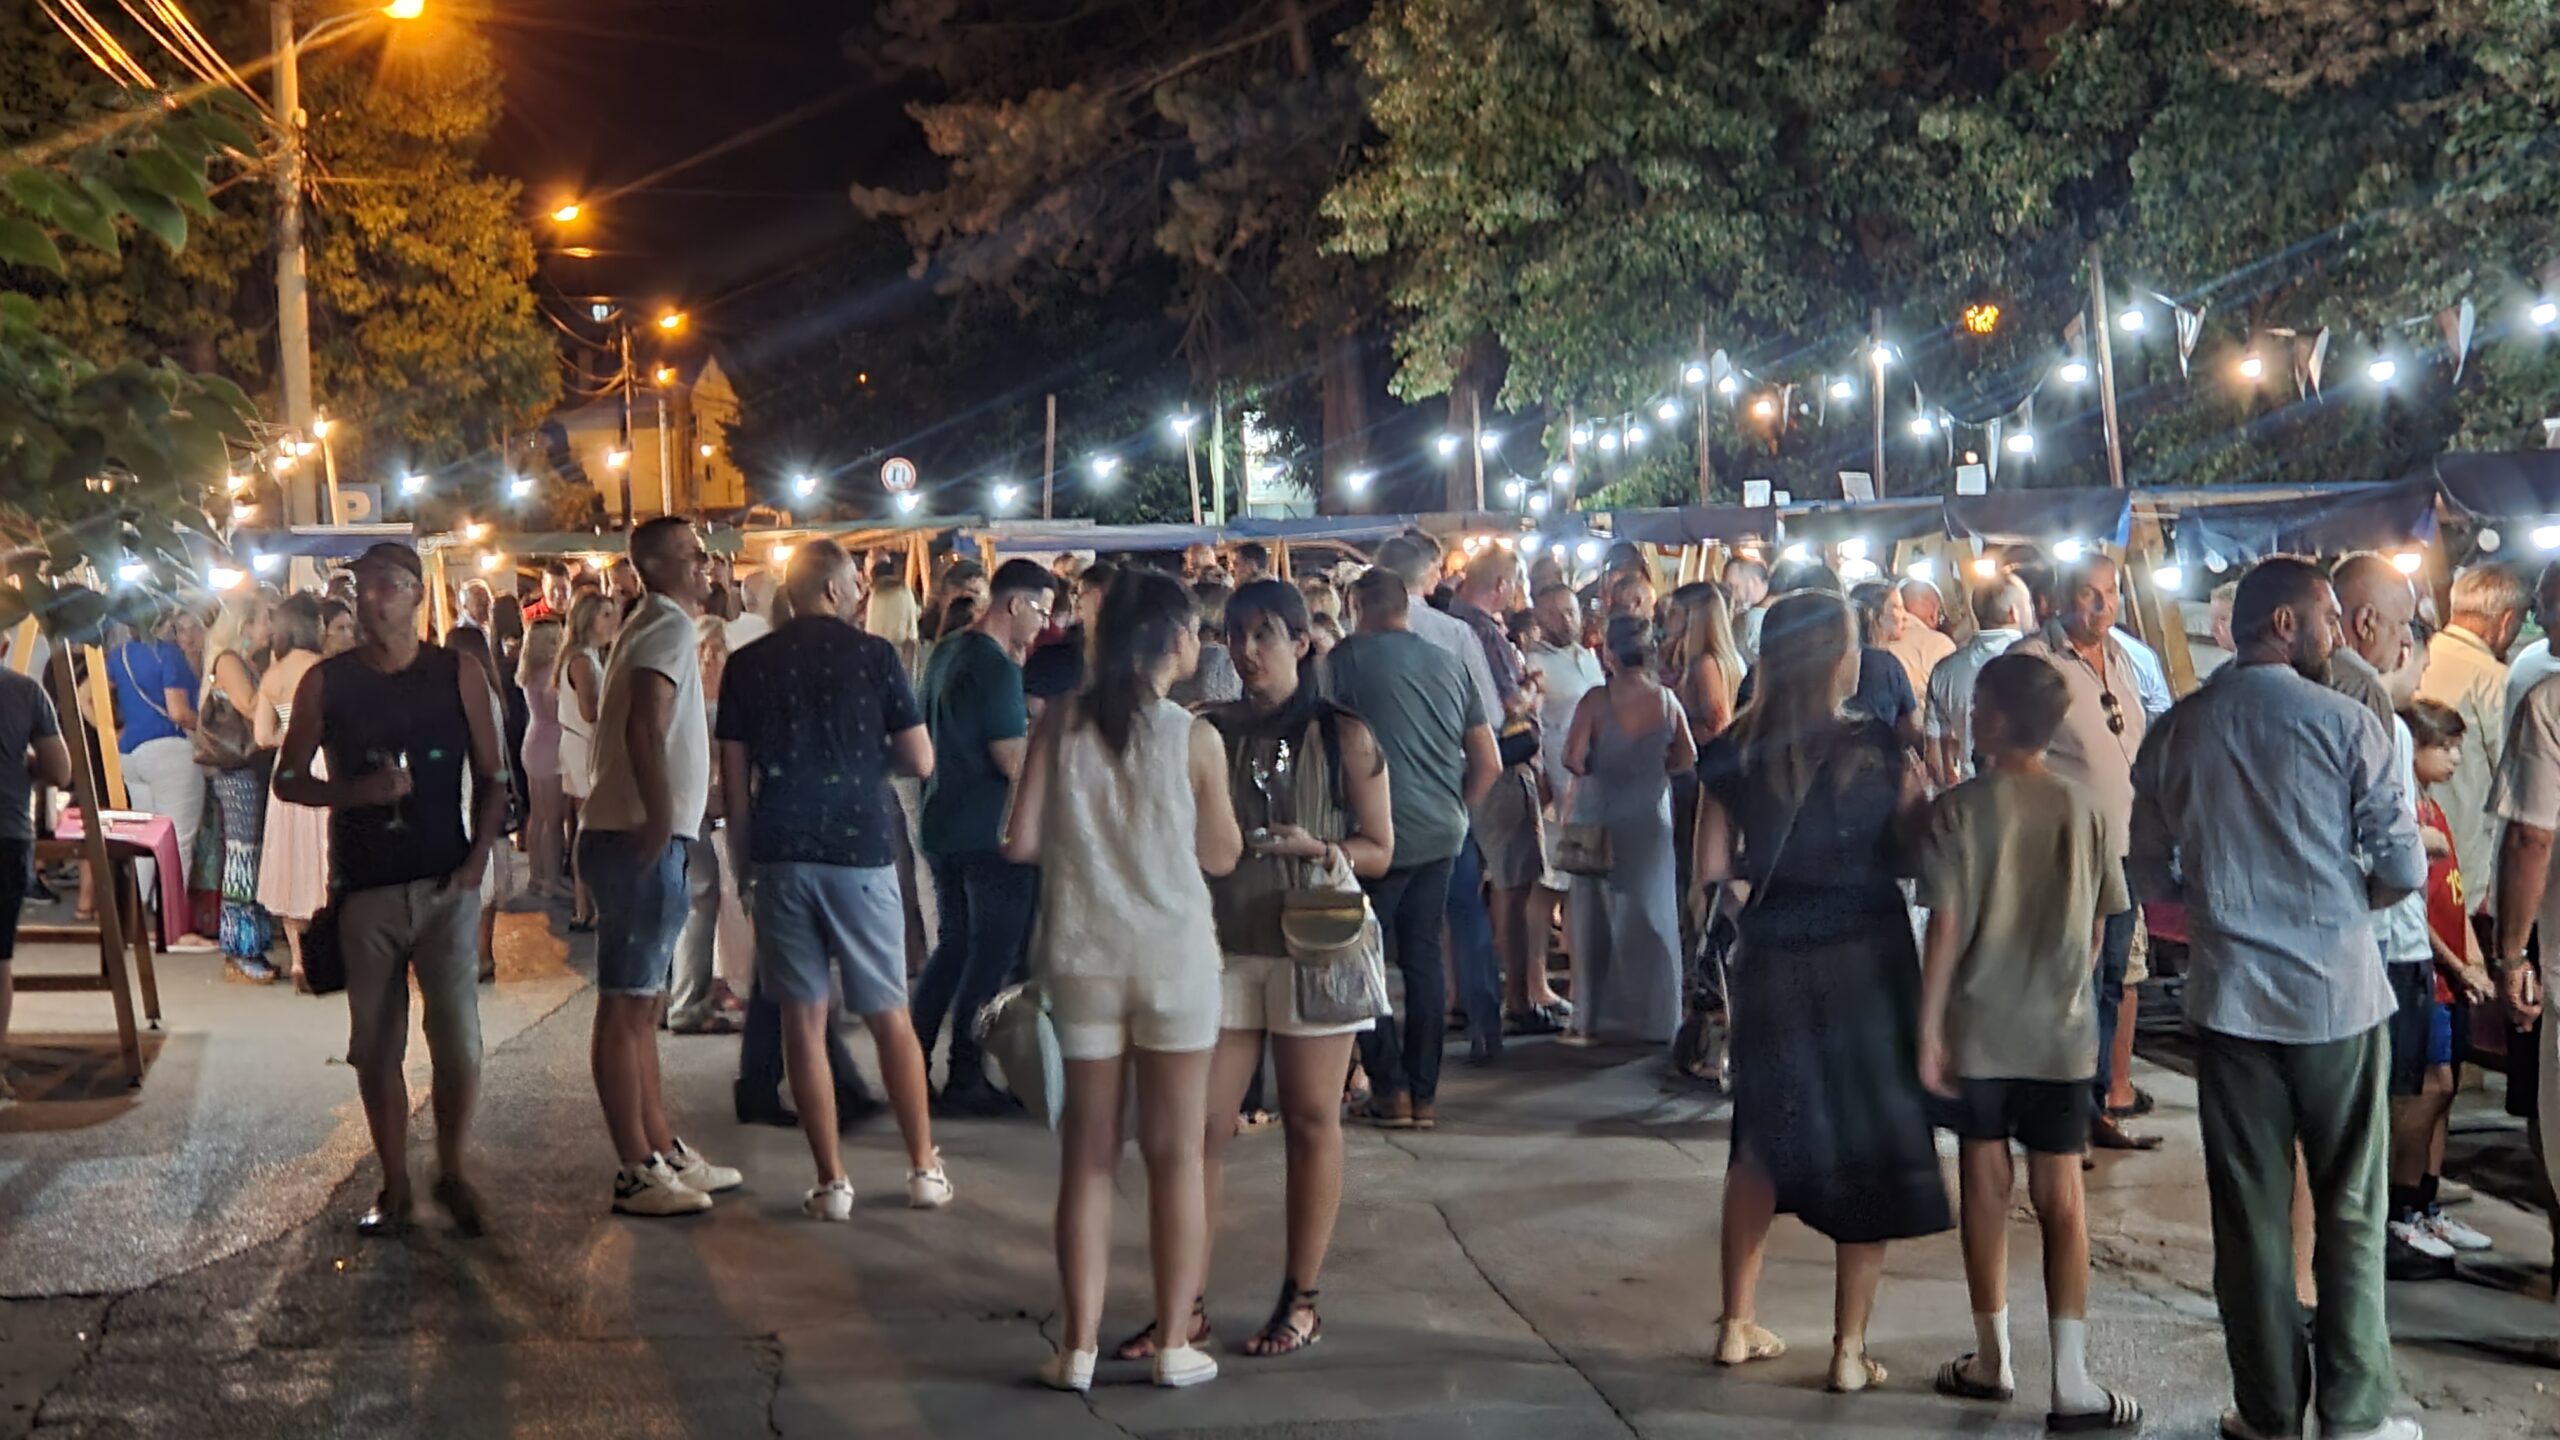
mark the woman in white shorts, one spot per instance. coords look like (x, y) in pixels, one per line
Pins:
(1123, 804)
(1310, 786)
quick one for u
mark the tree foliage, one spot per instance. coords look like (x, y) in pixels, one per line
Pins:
(1175, 152)
(424, 333)
(105, 463)
(1587, 186)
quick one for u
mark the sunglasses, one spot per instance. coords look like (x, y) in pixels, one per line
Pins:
(2115, 711)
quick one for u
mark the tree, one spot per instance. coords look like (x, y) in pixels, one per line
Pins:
(1174, 152)
(1590, 184)
(106, 464)
(426, 339)
(1587, 186)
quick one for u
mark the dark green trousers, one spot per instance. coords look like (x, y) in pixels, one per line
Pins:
(2257, 1102)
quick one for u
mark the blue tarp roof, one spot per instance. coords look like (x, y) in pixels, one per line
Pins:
(2356, 517)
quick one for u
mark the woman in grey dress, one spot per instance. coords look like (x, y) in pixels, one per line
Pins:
(1627, 740)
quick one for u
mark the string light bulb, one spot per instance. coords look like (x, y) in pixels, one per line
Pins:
(2252, 368)
(2132, 321)
(1635, 437)
(2408, 562)
(1842, 389)
(1357, 481)
(1694, 373)
(2169, 579)
(1921, 427)
(2071, 552)
(1666, 412)
(1986, 567)
(1581, 436)
(2073, 372)
(1446, 444)
(2021, 443)
(1764, 407)
(1609, 441)
(804, 486)
(1728, 386)
(2383, 371)
(2544, 314)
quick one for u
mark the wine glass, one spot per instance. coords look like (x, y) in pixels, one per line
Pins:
(399, 819)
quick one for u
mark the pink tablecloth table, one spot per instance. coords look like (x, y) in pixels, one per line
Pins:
(160, 836)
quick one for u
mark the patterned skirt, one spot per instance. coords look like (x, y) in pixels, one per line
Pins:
(241, 796)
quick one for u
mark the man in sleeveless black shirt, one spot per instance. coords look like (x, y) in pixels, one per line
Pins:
(400, 720)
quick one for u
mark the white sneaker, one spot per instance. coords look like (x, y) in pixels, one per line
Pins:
(2453, 1232)
(2398, 1427)
(2421, 1240)
(1069, 1370)
(700, 1174)
(928, 1189)
(1184, 1366)
(834, 1201)
(653, 1189)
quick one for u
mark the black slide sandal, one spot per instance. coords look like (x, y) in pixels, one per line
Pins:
(2123, 1412)
(1952, 1383)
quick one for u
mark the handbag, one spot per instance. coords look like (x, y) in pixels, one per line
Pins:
(1015, 1029)
(1337, 950)
(1584, 847)
(223, 740)
(324, 959)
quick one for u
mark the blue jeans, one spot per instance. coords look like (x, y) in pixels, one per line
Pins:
(641, 904)
(1471, 947)
(986, 903)
(2114, 950)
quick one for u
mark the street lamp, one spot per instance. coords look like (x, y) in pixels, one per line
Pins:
(568, 214)
(664, 375)
(1105, 466)
(804, 486)
(413, 485)
(1006, 493)
(2073, 372)
(908, 501)
(409, 10)
(1357, 481)
(519, 487)
(1446, 444)
(616, 458)
(673, 320)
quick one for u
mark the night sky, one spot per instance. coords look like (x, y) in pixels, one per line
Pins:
(603, 94)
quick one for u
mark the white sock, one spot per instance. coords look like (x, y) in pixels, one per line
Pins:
(1991, 1348)
(2074, 1393)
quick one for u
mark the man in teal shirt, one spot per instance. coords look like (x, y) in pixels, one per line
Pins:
(975, 712)
(1441, 759)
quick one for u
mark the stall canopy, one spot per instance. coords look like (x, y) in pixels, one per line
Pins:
(1874, 521)
(2328, 521)
(321, 542)
(2520, 484)
(1694, 524)
(2013, 516)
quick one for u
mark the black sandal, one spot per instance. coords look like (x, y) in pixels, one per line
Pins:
(1280, 1335)
(1142, 1346)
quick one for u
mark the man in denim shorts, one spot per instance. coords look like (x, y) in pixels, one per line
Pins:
(653, 779)
(813, 720)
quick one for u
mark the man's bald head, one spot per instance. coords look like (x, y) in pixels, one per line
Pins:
(820, 580)
(2377, 603)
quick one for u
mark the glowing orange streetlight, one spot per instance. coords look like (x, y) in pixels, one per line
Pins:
(672, 320)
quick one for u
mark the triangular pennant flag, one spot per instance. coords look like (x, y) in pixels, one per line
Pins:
(1719, 368)
(1991, 445)
(2455, 322)
(2190, 325)
(2308, 358)
(2076, 333)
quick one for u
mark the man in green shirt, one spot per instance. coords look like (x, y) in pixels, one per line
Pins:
(976, 714)
(1441, 760)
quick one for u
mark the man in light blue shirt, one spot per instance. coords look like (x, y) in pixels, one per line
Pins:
(2238, 801)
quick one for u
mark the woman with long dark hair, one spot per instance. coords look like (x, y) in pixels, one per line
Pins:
(1123, 804)
(1813, 813)
(237, 652)
(1308, 778)
(1628, 739)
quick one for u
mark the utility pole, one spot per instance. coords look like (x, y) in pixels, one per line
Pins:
(293, 298)
(2106, 367)
(622, 324)
(1875, 395)
(1706, 395)
(666, 460)
(1049, 460)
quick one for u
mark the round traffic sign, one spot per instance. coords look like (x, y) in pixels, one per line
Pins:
(898, 475)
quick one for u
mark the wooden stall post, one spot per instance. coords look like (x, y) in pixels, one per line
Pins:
(101, 713)
(93, 844)
(2159, 615)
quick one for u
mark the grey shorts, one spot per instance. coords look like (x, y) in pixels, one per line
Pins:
(813, 918)
(1508, 829)
(388, 933)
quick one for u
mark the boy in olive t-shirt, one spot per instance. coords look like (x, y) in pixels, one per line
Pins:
(2019, 878)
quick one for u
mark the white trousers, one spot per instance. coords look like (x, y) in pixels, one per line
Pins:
(161, 778)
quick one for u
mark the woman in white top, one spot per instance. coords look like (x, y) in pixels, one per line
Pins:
(580, 683)
(1123, 804)
(293, 862)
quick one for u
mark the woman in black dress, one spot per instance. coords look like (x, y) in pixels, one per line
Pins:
(1809, 809)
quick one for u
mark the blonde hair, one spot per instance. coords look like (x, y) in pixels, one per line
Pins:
(543, 642)
(582, 618)
(1704, 631)
(231, 621)
(1805, 677)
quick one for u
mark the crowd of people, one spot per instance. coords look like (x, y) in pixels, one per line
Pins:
(1869, 860)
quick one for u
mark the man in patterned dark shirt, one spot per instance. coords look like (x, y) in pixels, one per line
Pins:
(813, 719)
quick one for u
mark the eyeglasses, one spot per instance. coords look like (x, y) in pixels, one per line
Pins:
(2115, 711)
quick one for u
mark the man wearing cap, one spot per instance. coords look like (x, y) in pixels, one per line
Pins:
(400, 719)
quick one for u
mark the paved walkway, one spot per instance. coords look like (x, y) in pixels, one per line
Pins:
(1542, 1266)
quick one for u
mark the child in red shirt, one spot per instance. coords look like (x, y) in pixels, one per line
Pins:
(2461, 980)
